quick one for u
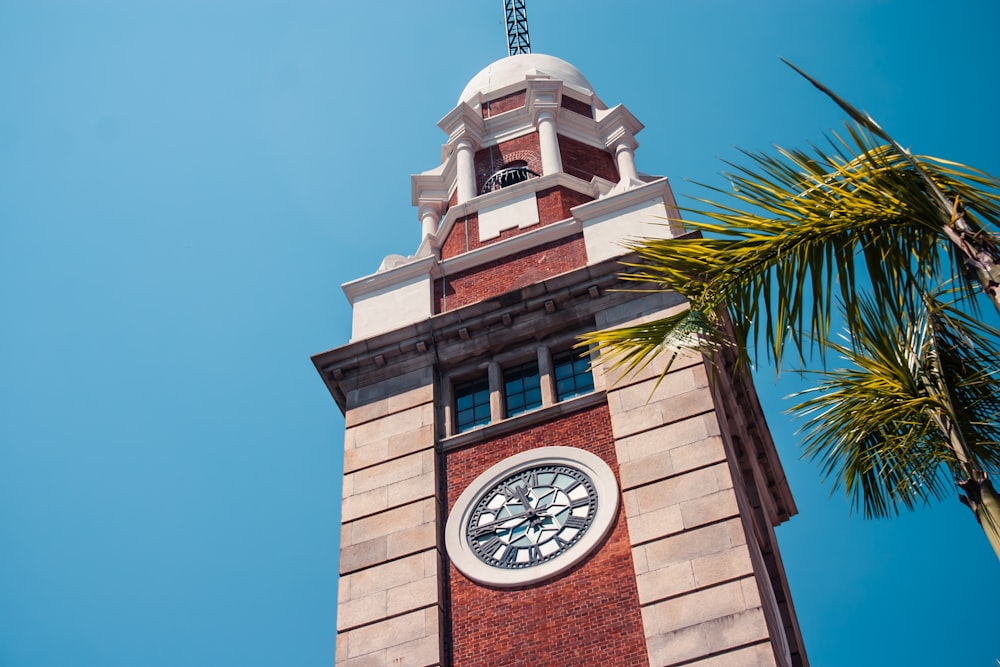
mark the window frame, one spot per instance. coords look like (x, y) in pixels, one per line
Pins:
(534, 373)
(495, 372)
(479, 384)
(574, 361)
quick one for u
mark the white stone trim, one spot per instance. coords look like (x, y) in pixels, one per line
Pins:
(519, 212)
(593, 188)
(605, 484)
(386, 279)
(526, 241)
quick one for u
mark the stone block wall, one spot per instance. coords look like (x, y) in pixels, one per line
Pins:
(698, 592)
(389, 608)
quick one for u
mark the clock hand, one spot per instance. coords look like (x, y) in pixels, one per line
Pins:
(529, 513)
(523, 496)
(488, 527)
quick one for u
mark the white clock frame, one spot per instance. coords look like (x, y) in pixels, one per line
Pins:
(608, 500)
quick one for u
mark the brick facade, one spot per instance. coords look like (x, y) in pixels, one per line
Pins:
(585, 161)
(518, 270)
(505, 103)
(463, 237)
(576, 106)
(588, 616)
(554, 203)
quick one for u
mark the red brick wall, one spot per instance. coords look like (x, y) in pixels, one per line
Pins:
(585, 161)
(508, 273)
(588, 616)
(576, 106)
(463, 237)
(554, 203)
(505, 103)
(489, 160)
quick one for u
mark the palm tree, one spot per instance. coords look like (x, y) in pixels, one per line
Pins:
(864, 227)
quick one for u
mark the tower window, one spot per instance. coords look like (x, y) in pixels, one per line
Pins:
(472, 403)
(522, 388)
(506, 391)
(572, 374)
(511, 173)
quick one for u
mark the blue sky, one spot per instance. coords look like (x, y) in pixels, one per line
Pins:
(185, 184)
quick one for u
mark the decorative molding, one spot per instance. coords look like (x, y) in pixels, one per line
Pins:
(389, 277)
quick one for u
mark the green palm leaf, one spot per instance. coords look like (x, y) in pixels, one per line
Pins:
(797, 231)
(880, 426)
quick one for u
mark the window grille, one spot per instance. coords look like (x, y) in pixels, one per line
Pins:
(573, 376)
(472, 404)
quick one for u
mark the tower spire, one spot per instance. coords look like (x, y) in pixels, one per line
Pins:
(517, 27)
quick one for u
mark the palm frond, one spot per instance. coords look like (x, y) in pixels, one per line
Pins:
(628, 350)
(800, 230)
(876, 426)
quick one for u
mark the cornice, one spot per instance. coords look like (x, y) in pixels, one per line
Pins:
(616, 202)
(389, 277)
(463, 122)
(538, 310)
(617, 122)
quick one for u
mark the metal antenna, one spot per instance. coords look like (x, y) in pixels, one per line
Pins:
(517, 27)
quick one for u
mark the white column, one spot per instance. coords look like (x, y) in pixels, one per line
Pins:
(549, 143)
(464, 163)
(625, 157)
(430, 216)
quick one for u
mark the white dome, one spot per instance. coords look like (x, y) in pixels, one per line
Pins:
(513, 69)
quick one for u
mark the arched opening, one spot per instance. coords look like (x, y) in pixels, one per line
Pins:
(511, 173)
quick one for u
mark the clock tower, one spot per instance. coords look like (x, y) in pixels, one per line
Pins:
(507, 501)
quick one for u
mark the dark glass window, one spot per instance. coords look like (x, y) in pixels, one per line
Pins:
(522, 388)
(573, 376)
(472, 404)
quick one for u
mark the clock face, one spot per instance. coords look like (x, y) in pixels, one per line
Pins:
(532, 516)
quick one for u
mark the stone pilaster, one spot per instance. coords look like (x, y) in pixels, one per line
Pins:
(389, 607)
(700, 598)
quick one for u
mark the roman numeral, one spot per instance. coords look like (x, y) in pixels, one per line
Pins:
(490, 546)
(509, 557)
(534, 554)
(569, 489)
(575, 522)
